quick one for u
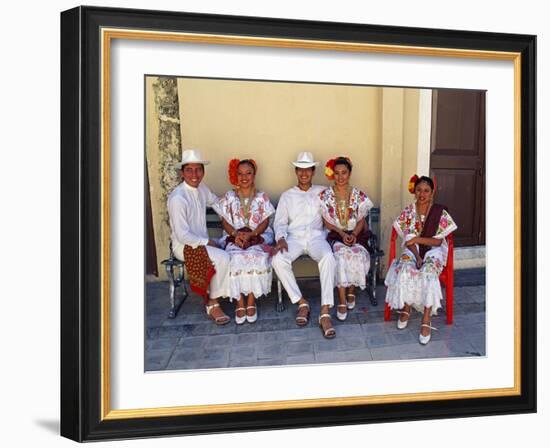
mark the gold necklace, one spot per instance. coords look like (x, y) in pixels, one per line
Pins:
(245, 204)
(423, 216)
(342, 207)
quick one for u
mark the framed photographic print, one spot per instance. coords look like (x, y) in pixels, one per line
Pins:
(147, 93)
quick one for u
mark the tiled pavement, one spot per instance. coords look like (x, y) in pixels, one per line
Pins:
(191, 341)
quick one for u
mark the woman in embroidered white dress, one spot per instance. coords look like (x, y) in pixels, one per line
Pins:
(245, 213)
(413, 279)
(344, 209)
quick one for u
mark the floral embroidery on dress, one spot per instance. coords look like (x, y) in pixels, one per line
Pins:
(229, 208)
(250, 269)
(418, 287)
(352, 263)
(407, 224)
(358, 207)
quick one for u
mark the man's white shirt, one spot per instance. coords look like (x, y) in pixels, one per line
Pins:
(298, 214)
(186, 208)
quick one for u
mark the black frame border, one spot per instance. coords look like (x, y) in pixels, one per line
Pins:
(81, 223)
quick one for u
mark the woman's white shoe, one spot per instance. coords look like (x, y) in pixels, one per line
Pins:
(339, 315)
(351, 304)
(402, 324)
(240, 320)
(254, 317)
(425, 339)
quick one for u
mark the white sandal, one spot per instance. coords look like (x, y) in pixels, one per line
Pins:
(302, 321)
(425, 339)
(350, 305)
(220, 320)
(240, 320)
(339, 315)
(402, 324)
(254, 317)
(329, 333)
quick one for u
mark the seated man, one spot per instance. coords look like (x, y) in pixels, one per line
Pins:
(207, 265)
(299, 230)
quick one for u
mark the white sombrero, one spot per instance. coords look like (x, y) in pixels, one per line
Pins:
(192, 156)
(305, 160)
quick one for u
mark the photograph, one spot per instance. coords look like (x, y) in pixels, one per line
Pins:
(293, 236)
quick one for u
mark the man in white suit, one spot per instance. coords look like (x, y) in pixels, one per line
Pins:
(299, 230)
(187, 210)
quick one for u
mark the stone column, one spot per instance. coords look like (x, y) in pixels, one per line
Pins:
(163, 150)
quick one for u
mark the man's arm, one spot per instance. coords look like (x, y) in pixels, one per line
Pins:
(280, 223)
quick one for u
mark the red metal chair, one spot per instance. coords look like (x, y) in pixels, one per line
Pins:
(446, 277)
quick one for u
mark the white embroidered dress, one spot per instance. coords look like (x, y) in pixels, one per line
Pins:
(352, 262)
(417, 287)
(250, 269)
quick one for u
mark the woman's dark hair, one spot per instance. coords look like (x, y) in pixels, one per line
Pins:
(247, 162)
(426, 179)
(342, 161)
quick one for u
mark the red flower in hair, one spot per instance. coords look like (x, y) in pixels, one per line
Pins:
(412, 181)
(232, 171)
(329, 169)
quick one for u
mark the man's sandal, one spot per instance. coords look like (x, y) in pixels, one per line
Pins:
(402, 324)
(220, 320)
(302, 321)
(329, 332)
(240, 320)
(351, 303)
(339, 315)
(252, 318)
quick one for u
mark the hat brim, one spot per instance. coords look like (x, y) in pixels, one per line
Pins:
(201, 162)
(305, 164)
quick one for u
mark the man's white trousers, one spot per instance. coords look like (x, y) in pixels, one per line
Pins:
(321, 252)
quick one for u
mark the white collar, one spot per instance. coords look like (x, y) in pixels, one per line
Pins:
(189, 187)
(309, 190)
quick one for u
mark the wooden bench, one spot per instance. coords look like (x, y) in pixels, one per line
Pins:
(175, 268)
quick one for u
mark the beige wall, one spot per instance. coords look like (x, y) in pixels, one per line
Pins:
(272, 122)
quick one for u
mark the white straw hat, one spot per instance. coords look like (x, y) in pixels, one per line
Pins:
(192, 156)
(305, 160)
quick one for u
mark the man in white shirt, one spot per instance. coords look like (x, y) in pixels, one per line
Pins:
(187, 210)
(299, 230)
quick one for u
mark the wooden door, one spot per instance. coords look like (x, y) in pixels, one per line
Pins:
(458, 159)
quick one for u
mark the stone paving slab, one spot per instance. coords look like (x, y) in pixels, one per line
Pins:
(191, 341)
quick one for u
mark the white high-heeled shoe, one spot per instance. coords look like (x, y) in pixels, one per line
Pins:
(402, 324)
(425, 339)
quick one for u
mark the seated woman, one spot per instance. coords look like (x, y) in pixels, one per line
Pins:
(247, 236)
(413, 278)
(344, 209)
